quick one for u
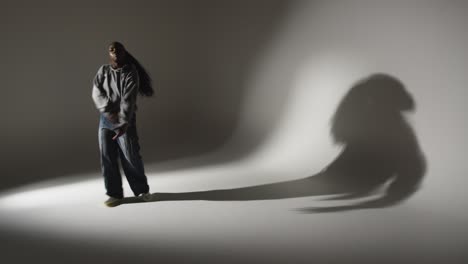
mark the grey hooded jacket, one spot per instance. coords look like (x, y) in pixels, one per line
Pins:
(115, 91)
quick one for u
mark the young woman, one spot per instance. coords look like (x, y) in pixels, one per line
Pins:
(115, 89)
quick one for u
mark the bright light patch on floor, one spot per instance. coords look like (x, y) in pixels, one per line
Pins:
(67, 194)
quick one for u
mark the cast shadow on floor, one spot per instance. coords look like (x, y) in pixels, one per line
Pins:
(379, 149)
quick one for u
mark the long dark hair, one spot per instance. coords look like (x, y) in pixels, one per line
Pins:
(146, 86)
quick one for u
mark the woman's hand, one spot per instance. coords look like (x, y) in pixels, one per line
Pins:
(120, 131)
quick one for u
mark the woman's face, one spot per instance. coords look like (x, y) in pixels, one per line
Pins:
(116, 53)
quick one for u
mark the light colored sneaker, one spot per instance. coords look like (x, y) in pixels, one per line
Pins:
(112, 202)
(147, 197)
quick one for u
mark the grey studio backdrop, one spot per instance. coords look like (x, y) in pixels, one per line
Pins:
(259, 82)
(198, 53)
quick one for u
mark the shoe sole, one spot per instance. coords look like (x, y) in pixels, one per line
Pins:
(113, 204)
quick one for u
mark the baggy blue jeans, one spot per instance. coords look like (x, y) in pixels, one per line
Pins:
(128, 149)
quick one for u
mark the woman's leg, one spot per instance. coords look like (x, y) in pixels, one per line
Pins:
(109, 150)
(132, 162)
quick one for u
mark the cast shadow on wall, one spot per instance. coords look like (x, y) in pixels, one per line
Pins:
(380, 151)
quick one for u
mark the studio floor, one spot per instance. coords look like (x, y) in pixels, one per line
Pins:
(66, 221)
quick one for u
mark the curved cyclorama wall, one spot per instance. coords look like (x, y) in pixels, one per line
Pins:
(322, 53)
(198, 54)
(302, 68)
(346, 105)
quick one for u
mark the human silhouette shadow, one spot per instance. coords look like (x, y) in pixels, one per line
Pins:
(379, 150)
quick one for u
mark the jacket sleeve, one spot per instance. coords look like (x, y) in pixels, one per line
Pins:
(99, 94)
(129, 96)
